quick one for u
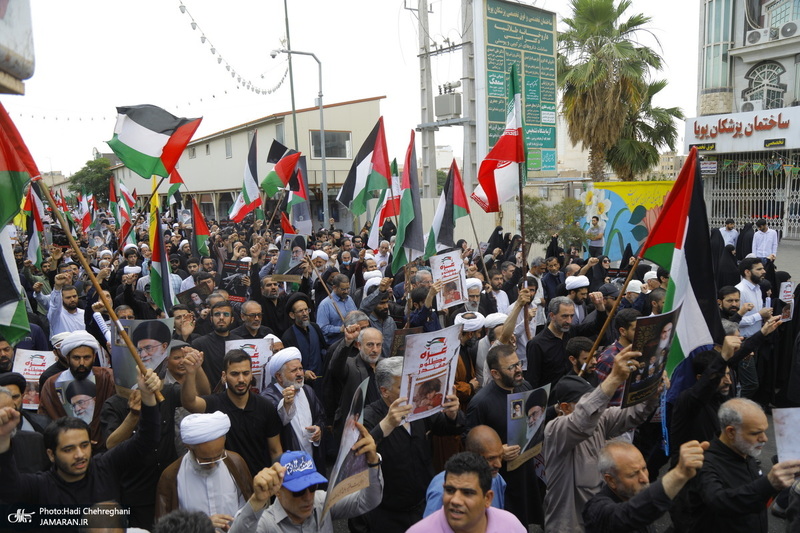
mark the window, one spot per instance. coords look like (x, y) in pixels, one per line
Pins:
(717, 41)
(337, 145)
(208, 149)
(192, 152)
(782, 11)
(280, 133)
(765, 84)
(228, 148)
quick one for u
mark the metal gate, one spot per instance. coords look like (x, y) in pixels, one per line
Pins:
(753, 185)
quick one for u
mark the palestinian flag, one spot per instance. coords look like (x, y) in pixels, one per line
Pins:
(285, 161)
(85, 216)
(370, 172)
(286, 224)
(410, 241)
(174, 193)
(160, 284)
(452, 206)
(680, 238)
(129, 198)
(149, 140)
(499, 173)
(388, 207)
(35, 209)
(249, 198)
(200, 232)
(297, 201)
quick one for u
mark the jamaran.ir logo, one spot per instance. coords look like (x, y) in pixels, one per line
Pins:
(20, 517)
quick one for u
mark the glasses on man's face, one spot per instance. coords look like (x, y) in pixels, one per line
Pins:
(515, 366)
(221, 313)
(149, 348)
(253, 315)
(298, 494)
(207, 462)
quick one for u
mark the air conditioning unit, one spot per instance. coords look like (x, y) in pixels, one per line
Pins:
(760, 36)
(789, 30)
(753, 105)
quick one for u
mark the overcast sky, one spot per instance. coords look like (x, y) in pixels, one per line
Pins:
(94, 55)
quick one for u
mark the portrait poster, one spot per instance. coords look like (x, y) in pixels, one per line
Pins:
(786, 296)
(654, 335)
(290, 258)
(399, 340)
(151, 338)
(232, 280)
(194, 298)
(787, 438)
(525, 423)
(77, 395)
(260, 352)
(349, 472)
(31, 364)
(449, 269)
(429, 370)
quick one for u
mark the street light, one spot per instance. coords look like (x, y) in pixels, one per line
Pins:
(325, 213)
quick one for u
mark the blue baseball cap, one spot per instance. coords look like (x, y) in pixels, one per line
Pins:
(301, 472)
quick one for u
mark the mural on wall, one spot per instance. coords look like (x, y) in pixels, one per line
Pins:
(626, 209)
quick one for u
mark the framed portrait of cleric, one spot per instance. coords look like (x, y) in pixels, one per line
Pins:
(290, 258)
(151, 338)
(194, 298)
(77, 395)
(525, 423)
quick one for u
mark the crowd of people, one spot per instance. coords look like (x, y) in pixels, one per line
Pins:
(224, 452)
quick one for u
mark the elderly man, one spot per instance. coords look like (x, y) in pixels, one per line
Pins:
(484, 441)
(572, 441)
(328, 318)
(467, 501)
(408, 468)
(251, 328)
(306, 336)
(81, 349)
(300, 410)
(627, 501)
(77, 478)
(298, 505)
(208, 478)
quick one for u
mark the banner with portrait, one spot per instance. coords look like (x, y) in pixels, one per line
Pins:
(77, 395)
(525, 414)
(194, 298)
(429, 370)
(31, 364)
(151, 338)
(289, 267)
(785, 302)
(260, 352)
(232, 279)
(449, 269)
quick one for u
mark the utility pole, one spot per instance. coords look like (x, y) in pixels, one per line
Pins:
(426, 93)
(470, 169)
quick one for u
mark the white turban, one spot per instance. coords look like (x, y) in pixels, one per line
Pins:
(129, 247)
(283, 357)
(470, 324)
(373, 274)
(58, 338)
(132, 270)
(273, 338)
(184, 241)
(105, 253)
(474, 283)
(576, 282)
(368, 255)
(495, 319)
(204, 427)
(319, 254)
(246, 259)
(650, 275)
(76, 339)
(371, 282)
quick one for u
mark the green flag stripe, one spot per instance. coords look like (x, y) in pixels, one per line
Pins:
(142, 164)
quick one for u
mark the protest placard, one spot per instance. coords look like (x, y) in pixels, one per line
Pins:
(232, 280)
(787, 438)
(31, 364)
(449, 269)
(194, 298)
(77, 395)
(525, 423)
(151, 338)
(399, 340)
(786, 297)
(260, 352)
(290, 258)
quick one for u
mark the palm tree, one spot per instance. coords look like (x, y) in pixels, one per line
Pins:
(601, 74)
(647, 130)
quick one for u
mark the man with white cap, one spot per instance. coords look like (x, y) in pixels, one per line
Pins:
(320, 274)
(577, 291)
(80, 349)
(651, 280)
(299, 408)
(298, 505)
(208, 478)
(466, 383)
(634, 297)
(64, 313)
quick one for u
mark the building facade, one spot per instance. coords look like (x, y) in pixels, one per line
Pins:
(748, 126)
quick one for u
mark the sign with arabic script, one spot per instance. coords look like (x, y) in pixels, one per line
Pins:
(745, 132)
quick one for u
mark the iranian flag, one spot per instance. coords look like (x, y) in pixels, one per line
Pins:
(150, 140)
(410, 241)
(678, 241)
(126, 195)
(16, 170)
(174, 193)
(35, 209)
(297, 200)
(388, 207)
(200, 232)
(160, 284)
(370, 172)
(452, 206)
(499, 173)
(249, 198)
(113, 201)
(285, 161)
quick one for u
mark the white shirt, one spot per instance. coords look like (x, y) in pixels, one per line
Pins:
(765, 243)
(502, 301)
(729, 236)
(751, 321)
(61, 320)
(211, 491)
(299, 416)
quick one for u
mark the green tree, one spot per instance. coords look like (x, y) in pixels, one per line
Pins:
(441, 177)
(602, 71)
(542, 220)
(647, 130)
(93, 178)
